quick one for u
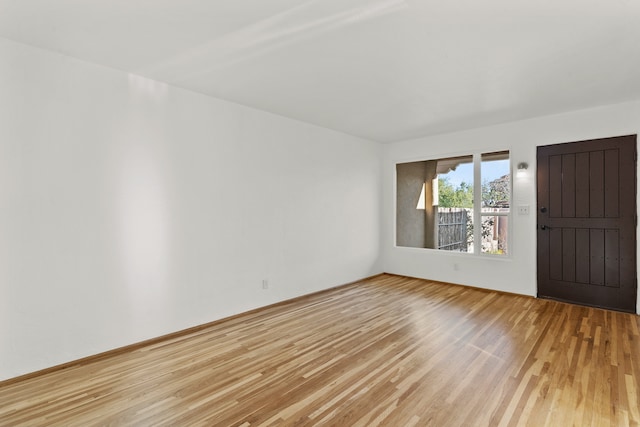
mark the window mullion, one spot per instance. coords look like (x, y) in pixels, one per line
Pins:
(477, 204)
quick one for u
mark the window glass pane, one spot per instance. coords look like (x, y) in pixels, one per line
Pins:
(495, 231)
(496, 191)
(496, 182)
(455, 204)
(434, 204)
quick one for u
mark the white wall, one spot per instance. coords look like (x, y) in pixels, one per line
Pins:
(130, 209)
(516, 274)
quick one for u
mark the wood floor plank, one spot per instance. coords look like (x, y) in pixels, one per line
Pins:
(386, 351)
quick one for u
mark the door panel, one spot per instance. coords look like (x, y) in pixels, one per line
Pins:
(586, 222)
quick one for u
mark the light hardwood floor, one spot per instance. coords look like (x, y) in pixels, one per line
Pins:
(387, 351)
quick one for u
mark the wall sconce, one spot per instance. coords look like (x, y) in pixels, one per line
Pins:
(522, 169)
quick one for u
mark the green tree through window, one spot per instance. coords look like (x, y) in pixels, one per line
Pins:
(452, 197)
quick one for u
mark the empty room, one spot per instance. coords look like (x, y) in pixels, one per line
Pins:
(319, 213)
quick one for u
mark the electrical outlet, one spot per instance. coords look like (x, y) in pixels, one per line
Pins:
(265, 284)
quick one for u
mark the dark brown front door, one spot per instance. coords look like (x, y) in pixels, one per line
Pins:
(586, 222)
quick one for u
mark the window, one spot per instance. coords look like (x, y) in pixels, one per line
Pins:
(496, 189)
(437, 200)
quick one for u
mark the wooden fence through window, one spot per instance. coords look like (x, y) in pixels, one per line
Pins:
(452, 229)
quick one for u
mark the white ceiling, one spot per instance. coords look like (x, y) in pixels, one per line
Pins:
(385, 70)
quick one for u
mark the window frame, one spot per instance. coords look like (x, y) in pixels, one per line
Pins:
(477, 205)
(478, 214)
